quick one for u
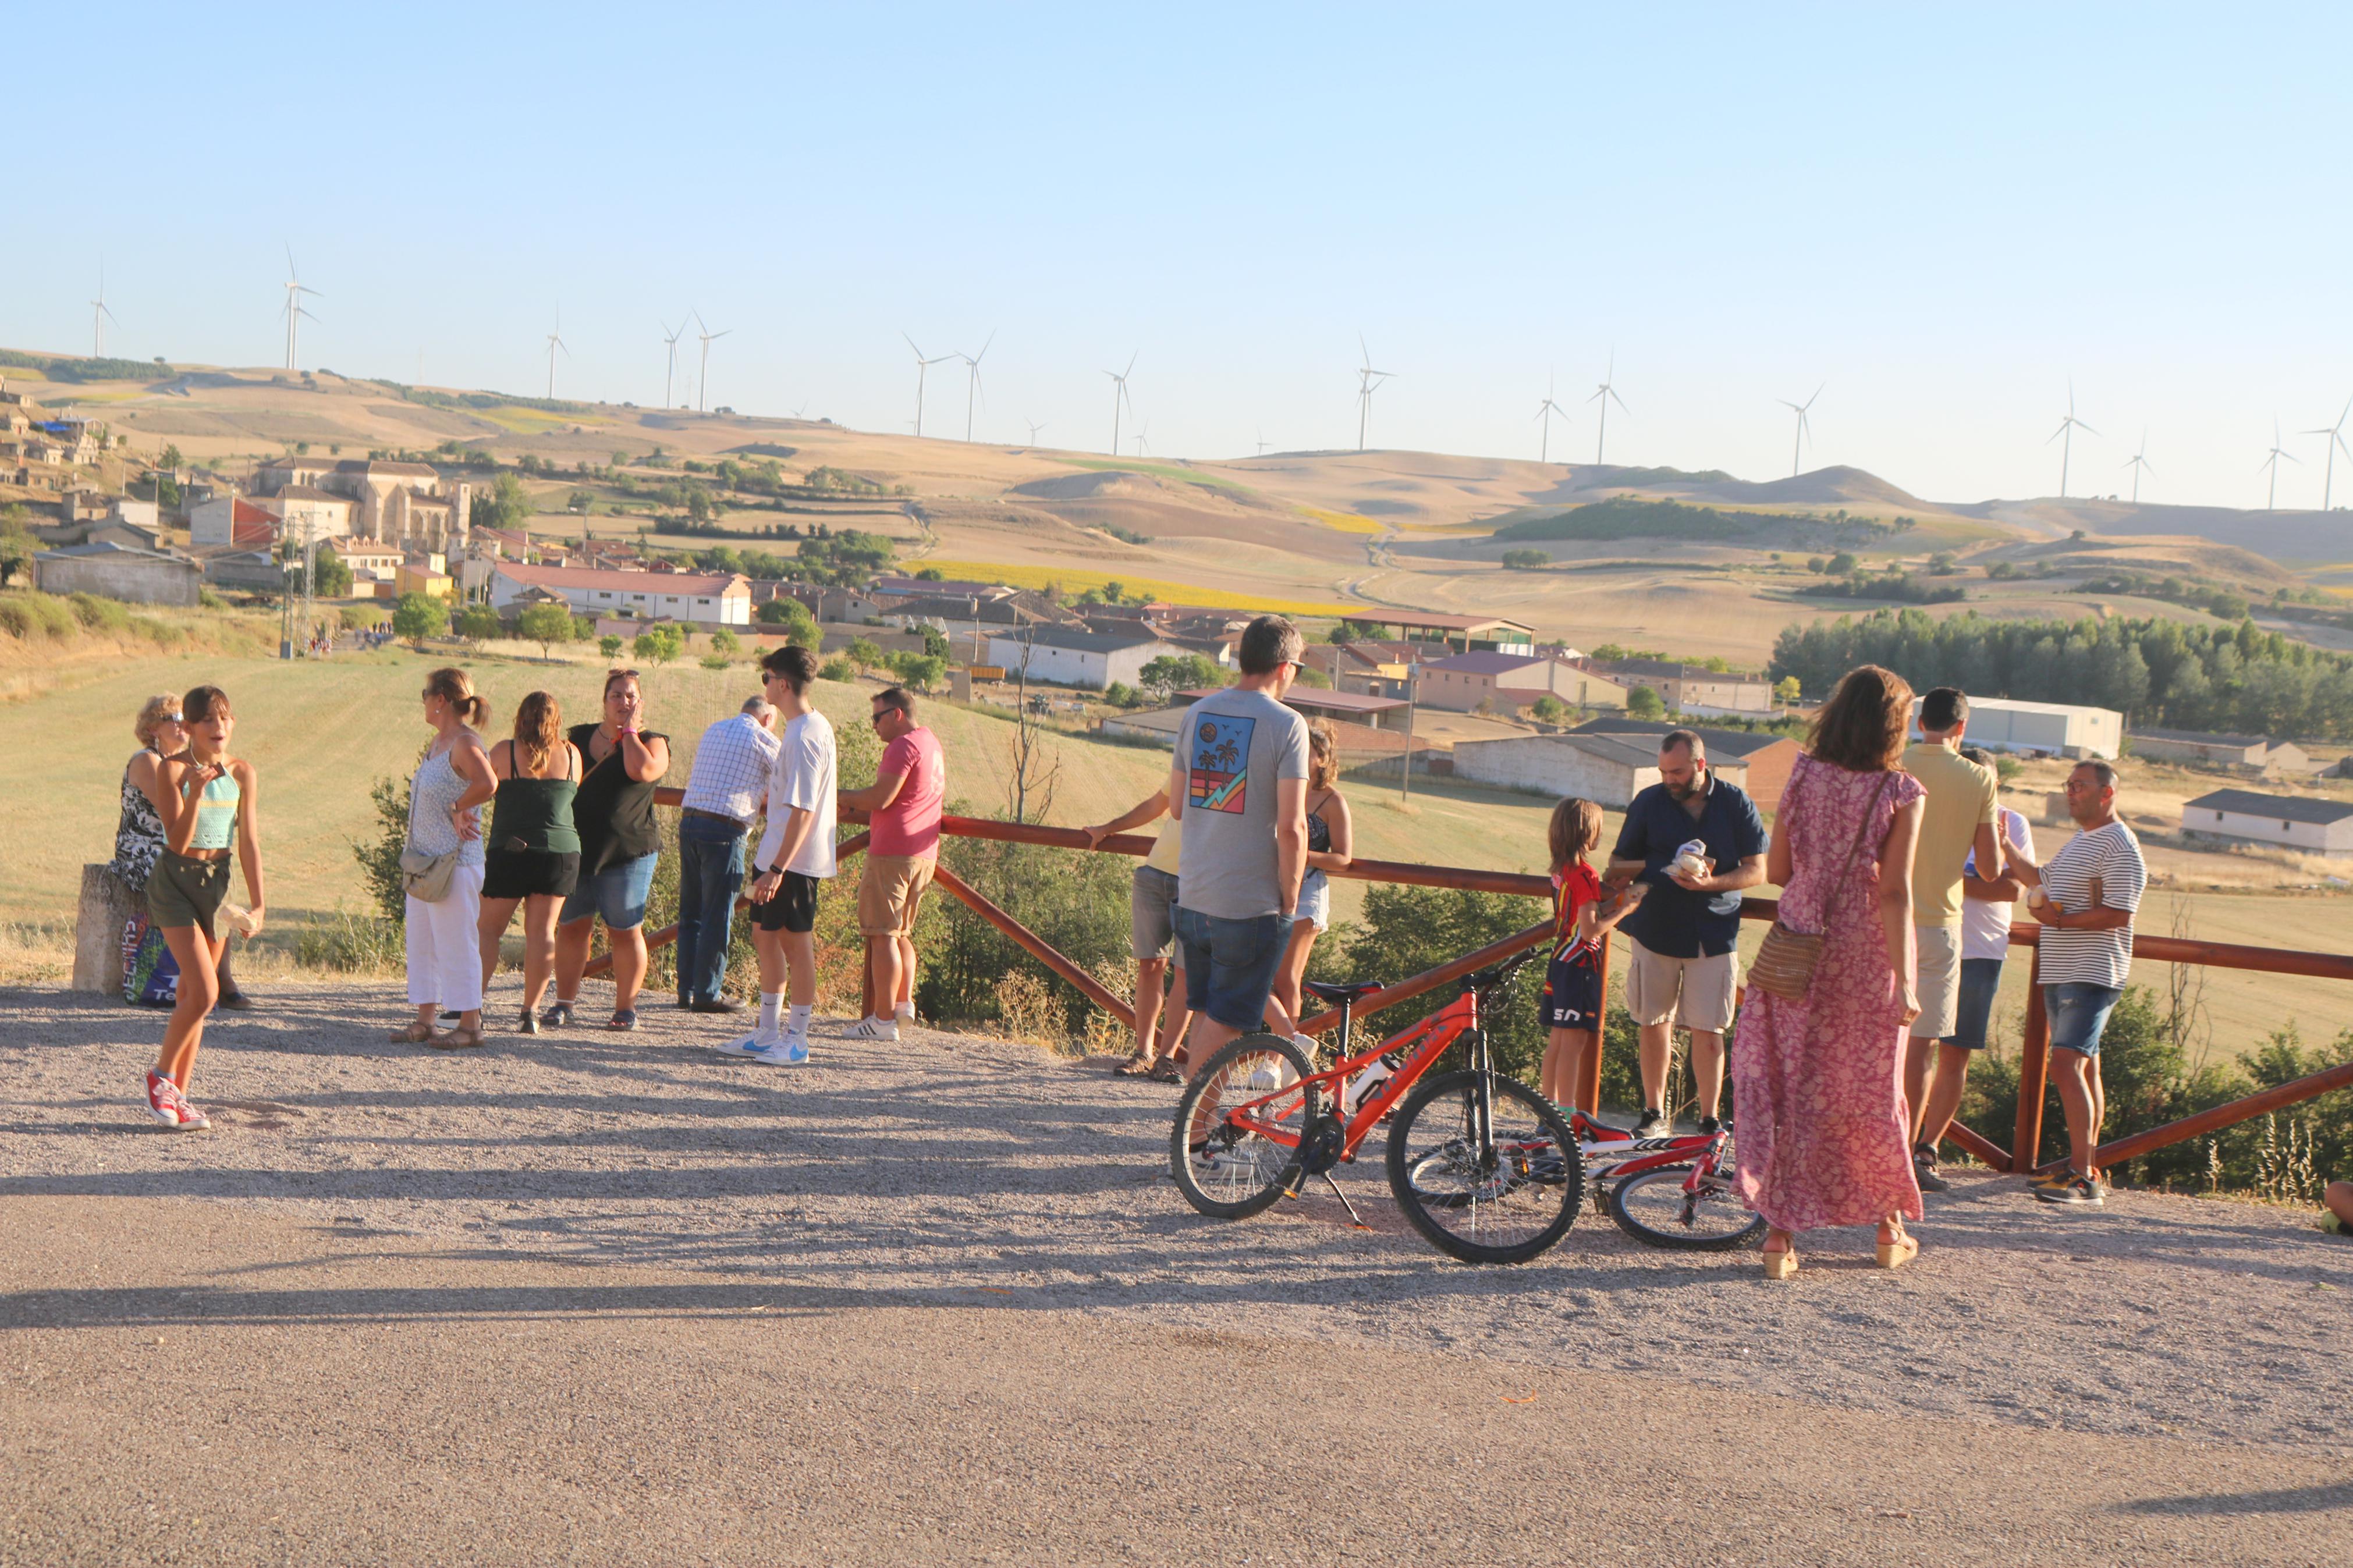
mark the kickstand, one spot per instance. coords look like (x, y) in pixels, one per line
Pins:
(1345, 1203)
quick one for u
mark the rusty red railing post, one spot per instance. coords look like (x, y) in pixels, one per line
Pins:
(1589, 1089)
(2034, 1073)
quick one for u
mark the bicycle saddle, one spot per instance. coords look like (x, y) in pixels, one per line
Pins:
(1339, 991)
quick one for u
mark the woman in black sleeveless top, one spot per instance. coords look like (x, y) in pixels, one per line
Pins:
(613, 812)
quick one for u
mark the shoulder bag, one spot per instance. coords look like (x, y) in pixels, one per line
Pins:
(426, 878)
(1784, 965)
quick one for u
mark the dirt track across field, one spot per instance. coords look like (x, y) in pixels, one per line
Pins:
(611, 1297)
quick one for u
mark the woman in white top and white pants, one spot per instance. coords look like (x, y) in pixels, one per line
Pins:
(445, 956)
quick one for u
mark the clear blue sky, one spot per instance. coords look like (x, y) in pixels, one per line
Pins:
(1942, 215)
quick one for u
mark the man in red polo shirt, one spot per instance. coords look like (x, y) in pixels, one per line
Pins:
(903, 808)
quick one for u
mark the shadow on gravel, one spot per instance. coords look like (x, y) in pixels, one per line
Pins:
(2292, 1499)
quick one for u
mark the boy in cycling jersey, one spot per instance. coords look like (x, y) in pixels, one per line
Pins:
(1581, 915)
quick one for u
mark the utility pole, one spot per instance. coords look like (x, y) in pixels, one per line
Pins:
(1412, 689)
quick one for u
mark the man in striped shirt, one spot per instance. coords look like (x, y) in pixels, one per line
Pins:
(2090, 890)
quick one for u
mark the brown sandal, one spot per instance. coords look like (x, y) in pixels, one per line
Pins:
(1136, 1066)
(414, 1034)
(457, 1039)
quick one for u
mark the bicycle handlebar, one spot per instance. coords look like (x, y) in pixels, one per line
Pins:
(1488, 979)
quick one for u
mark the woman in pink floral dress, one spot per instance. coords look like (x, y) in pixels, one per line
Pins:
(1817, 1083)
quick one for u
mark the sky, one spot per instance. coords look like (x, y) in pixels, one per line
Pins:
(1942, 216)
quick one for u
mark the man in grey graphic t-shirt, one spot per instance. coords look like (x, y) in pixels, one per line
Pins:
(1239, 787)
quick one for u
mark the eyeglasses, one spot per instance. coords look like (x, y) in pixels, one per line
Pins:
(169, 718)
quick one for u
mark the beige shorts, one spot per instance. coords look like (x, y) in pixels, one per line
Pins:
(1940, 980)
(888, 890)
(1697, 992)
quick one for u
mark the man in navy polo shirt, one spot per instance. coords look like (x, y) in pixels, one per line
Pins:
(1683, 967)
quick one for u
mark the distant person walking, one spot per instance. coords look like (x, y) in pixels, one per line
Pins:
(532, 857)
(1956, 827)
(1682, 965)
(619, 843)
(1151, 931)
(797, 854)
(1239, 787)
(1331, 834)
(443, 927)
(1825, 1136)
(2092, 889)
(208, 801)
(903, 806)
(724, 791)
(1989, 905)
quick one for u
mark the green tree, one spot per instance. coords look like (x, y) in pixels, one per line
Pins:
(171, 460)
(800, 626)
(477, 623)
(329, 576)
(419, 616)
(545, 624)
(837, 668)
(864, 652)
(725, 644)
(1174, 672)
(506, 504)
(1788, 692)
(919, 670)
(1525, 560)
(659, 644)
(1548, 709)
(610, 647)
(1842, 564)
(17, 545)
(580, 501)
(1644, 703)
(935, 644)
(1348, 631)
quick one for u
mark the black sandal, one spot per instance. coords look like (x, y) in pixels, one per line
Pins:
(1136, 1066)
(1164, 1070)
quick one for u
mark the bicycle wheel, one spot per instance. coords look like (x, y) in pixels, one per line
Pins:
(1231, 1172)
(1501, 1199)
(1652, 1207)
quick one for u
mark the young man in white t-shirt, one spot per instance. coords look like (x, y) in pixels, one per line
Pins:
(1987, 910)
(2091, 889)
(797, 852)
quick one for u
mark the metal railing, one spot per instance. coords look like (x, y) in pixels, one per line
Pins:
(2034, 1063)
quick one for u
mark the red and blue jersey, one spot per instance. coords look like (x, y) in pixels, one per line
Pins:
(1574, 886)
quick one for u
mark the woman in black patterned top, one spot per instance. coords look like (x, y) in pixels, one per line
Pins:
(139, 834)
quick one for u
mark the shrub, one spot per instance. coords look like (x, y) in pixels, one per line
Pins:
(99, 614)
(29, 614)
(609, 646)
(351, 944)
(163, 634)
(837, 668)
(210, 600)
(715, 661)
(1525, 560)
(379, 857)
(1644, 703)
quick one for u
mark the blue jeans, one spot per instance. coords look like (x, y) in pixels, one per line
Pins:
(2079, 1013)
(1980, 979)
(710, 875)
(1229, 964)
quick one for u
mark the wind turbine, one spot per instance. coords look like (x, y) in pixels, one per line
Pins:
(1261, 446)
(1604, 395)
(1368, 380)
(295, 289)
(669, 376)
(555, 341)
(2336, 433)
(1035, 426)
(99, 316)
(1804, 426)
(2139, 464)
(1544, 411)
(1119, 396)
(1142, 440)
(2271, 462)
(702, 381)
(972, 382)
(2067, 428)
(923, 368)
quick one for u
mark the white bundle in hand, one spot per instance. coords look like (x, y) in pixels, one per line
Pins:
(2036, 898)
(1691, 858)
(236, 918)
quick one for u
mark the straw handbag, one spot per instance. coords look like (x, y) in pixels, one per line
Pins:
(1784, 965)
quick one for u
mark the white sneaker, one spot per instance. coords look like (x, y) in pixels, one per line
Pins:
(905, 1015)
(749, 1046)
(791, 1052)
(873, 1029)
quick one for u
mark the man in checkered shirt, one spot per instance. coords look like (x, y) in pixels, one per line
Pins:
(724, 795)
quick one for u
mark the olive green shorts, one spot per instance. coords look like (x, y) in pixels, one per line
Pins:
(186, 891)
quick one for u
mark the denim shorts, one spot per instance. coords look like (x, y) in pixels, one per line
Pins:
(2079, 1013)
(1315, 901)
(1980, 978)
(1229, 964)
(619, 893)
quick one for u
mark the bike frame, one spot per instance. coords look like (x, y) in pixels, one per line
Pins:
(1425, 1042)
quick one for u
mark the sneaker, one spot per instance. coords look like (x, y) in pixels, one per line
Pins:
(905, 1015)
(1924, 1171)
(190, 1119)
(873, 1029)
(749, 1046)
(2051, 1183)
(2080, 1192)
(792, 1051)
(163, 1099)
(1654, 1124)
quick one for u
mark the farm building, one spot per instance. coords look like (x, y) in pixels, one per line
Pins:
(1340, 707)
(117, 571)
(1609, 769)
(2256, 753)
(2043, 729)
(1067, 657)
(1690, 687)
(703, 598)
(1767, 758)
(2291, 821)
(1463, 633)
(1508, 681)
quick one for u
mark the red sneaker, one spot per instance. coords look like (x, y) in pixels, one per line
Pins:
(163, 1099)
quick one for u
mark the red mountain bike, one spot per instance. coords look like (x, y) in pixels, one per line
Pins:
(1483, 1166)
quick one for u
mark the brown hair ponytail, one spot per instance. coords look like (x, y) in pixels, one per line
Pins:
(456, 688)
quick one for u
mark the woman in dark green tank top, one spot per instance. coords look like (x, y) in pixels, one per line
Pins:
(530, 855)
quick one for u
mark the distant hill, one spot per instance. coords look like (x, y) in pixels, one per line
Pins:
(1838, 486)
(1627, 517)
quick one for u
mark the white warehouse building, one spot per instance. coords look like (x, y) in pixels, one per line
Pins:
(2290, 821)
(709, 597)
(2045, 728)
(1066, 657)
(1608, 770)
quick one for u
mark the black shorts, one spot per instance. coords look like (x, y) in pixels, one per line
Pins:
(522, 873)
(1572, 997)
(793, 909)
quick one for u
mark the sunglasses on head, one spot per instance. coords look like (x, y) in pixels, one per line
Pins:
(170, 718)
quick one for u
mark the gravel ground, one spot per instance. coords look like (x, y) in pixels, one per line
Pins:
(952, 1172)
